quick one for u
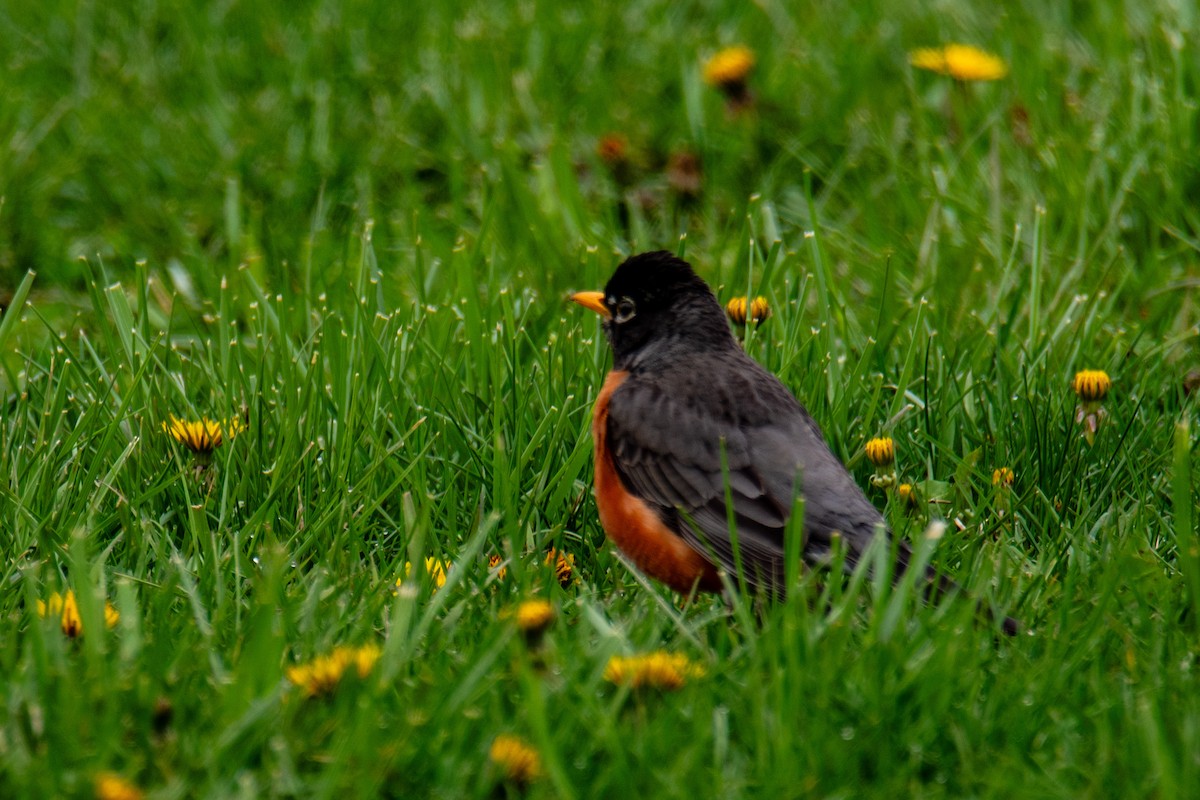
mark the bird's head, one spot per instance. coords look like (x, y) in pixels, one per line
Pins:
(655, 304)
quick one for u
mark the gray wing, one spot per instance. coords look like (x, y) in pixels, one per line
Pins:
(668, 450)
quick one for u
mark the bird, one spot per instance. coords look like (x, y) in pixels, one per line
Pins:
(691, 434)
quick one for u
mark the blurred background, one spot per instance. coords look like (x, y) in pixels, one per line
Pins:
(202, 136)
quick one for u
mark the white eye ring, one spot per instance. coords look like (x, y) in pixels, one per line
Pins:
(626, 310)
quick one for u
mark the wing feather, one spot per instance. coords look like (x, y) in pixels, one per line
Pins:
(769, 443)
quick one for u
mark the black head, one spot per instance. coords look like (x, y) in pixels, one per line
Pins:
(655, 304)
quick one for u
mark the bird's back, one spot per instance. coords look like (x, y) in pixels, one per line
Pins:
(744, 426)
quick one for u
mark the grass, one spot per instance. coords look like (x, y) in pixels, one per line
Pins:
(354, 225)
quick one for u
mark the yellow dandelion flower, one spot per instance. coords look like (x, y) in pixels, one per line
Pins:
(323, 674)
(906, 493)
(516, 759)
(729, 67)
(656, 670)
(319, 676)
(881, 451)
(364, 659)
(495, 563)
(740, 309)
(928, 58)
(203, 436)
(1003, 477)
(1091, 385)
(434, 567)
(534, 616)
(564, 566)
(437, 571)
(960, 61)
(66, 608)
(111, 786)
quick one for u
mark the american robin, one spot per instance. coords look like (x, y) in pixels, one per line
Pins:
(685, 419)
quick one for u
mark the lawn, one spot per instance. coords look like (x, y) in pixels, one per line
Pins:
(345, 231)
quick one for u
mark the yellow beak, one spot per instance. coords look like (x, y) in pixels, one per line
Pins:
(592, 300)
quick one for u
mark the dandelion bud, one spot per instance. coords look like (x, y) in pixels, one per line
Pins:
(533, 618)
(881, 451)
(728, 71)
(741, 309)
(515, 759)
(1091, 385)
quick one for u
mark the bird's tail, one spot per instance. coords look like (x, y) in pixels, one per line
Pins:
(939, 584)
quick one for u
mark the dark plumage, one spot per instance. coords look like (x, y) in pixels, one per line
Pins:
(690, 390)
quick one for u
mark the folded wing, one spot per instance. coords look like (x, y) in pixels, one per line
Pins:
(751, 434)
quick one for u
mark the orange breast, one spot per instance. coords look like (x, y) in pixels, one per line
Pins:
(633, 526)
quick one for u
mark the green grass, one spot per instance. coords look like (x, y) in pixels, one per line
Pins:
(355, 224)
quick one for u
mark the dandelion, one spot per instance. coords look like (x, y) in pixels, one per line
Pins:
(203, 436)
(65, 607)
(1091, 385)
(323, 674)
(960, 61)
(656, 670)
(881, 451)
(613, 148)
(906, 493)
(533, 618)
(564, 566)
(741, 309)
(111, 786)
(729, 69)
(435, 568)
(516, 759)
(1002, 481)
(534, 615)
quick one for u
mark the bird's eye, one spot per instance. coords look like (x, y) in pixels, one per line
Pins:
(625, 310)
